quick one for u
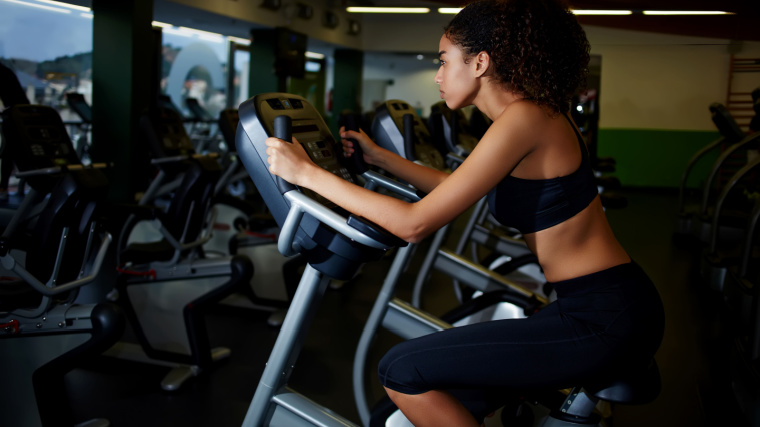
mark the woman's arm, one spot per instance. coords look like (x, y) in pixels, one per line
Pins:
(504, 145)
(420, 177)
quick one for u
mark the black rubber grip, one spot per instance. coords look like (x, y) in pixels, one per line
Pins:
(357, 159)
(283, 129)
(409, 137)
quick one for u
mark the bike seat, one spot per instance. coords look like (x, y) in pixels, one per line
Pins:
(636, 387)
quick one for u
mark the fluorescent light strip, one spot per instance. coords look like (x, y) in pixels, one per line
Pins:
(600, 12)
(239, 40)
(455, 10)
(213, 39)
(201, 32)
(356, 9)
(61, 4)
(176, 31)
(161, 24)
(39, 6)
(314, 55)
(686, 12)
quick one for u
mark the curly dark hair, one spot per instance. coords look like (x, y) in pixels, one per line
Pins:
(537, 47)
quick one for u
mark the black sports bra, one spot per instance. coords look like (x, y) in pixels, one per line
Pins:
(531, 205)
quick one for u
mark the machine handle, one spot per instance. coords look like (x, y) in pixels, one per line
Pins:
(409, 137)
(301, 204)
(357, 159)
(283, 129)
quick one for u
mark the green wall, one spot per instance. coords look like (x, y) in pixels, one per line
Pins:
(656, 158)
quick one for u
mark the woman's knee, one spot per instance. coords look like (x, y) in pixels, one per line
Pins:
(397, 370)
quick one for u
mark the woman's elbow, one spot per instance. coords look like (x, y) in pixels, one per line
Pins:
(416, 233)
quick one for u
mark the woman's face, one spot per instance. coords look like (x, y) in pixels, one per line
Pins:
(455, 78)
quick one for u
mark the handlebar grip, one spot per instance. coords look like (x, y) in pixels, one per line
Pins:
(283, 129)
(409, 137)
(357, 159)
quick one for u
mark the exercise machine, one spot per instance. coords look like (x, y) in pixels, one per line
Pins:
(336, 245)
(717, 258)
(694, 218)
(52, 249)
(166, 285)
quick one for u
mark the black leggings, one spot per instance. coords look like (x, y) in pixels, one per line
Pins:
(601, 324)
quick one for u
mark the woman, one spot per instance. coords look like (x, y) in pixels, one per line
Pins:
(519, 62)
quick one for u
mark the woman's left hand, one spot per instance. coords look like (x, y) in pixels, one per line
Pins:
(288, 161)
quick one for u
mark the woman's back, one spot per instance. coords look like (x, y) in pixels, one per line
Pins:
(572, 236)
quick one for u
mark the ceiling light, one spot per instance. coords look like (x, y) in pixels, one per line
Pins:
(203, 35)
(600, 12)
(239, 40)
(39, 6)
(161, 24)
(314, 55)
(61, 4)
(686, 12)
(449, 10)
(359, 9)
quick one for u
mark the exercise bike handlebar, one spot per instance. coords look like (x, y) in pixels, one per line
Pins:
(58, 169)
(51, 288)
(301, 204)
(392, 185)
(357, 159)
(284, 131)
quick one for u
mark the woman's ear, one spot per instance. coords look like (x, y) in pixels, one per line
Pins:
(482, 63)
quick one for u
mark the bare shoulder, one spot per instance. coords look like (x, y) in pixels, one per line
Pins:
(521, 124)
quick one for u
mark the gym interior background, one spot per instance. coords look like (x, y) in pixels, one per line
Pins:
(654, 78)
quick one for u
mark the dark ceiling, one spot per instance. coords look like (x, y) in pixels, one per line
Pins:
(743, 25)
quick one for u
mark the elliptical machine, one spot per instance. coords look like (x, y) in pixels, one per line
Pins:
(53, 247)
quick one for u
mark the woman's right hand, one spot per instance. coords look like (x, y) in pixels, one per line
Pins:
(369, 149)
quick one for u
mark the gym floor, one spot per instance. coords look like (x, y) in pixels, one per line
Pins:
(692, 358)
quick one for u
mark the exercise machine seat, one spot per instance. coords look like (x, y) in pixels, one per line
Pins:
(636, 387)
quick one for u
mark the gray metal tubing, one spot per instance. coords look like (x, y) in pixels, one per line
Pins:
(226, 177)
(465, 238)
(294, 409)
(409, 322)
(193, 268)
(300, 203)
(396, 316)
(476, 276)
(579, 403)
(29, 202)
(205, 237)
(389, 184)
(153, 188)
(51, 289)
(285, 351)
(498, 242)
(374, 320)
(470, 226)
(427, 265)
(714, 172)
(741, 173)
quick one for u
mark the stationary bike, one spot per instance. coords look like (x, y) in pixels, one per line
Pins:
(336, 244)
